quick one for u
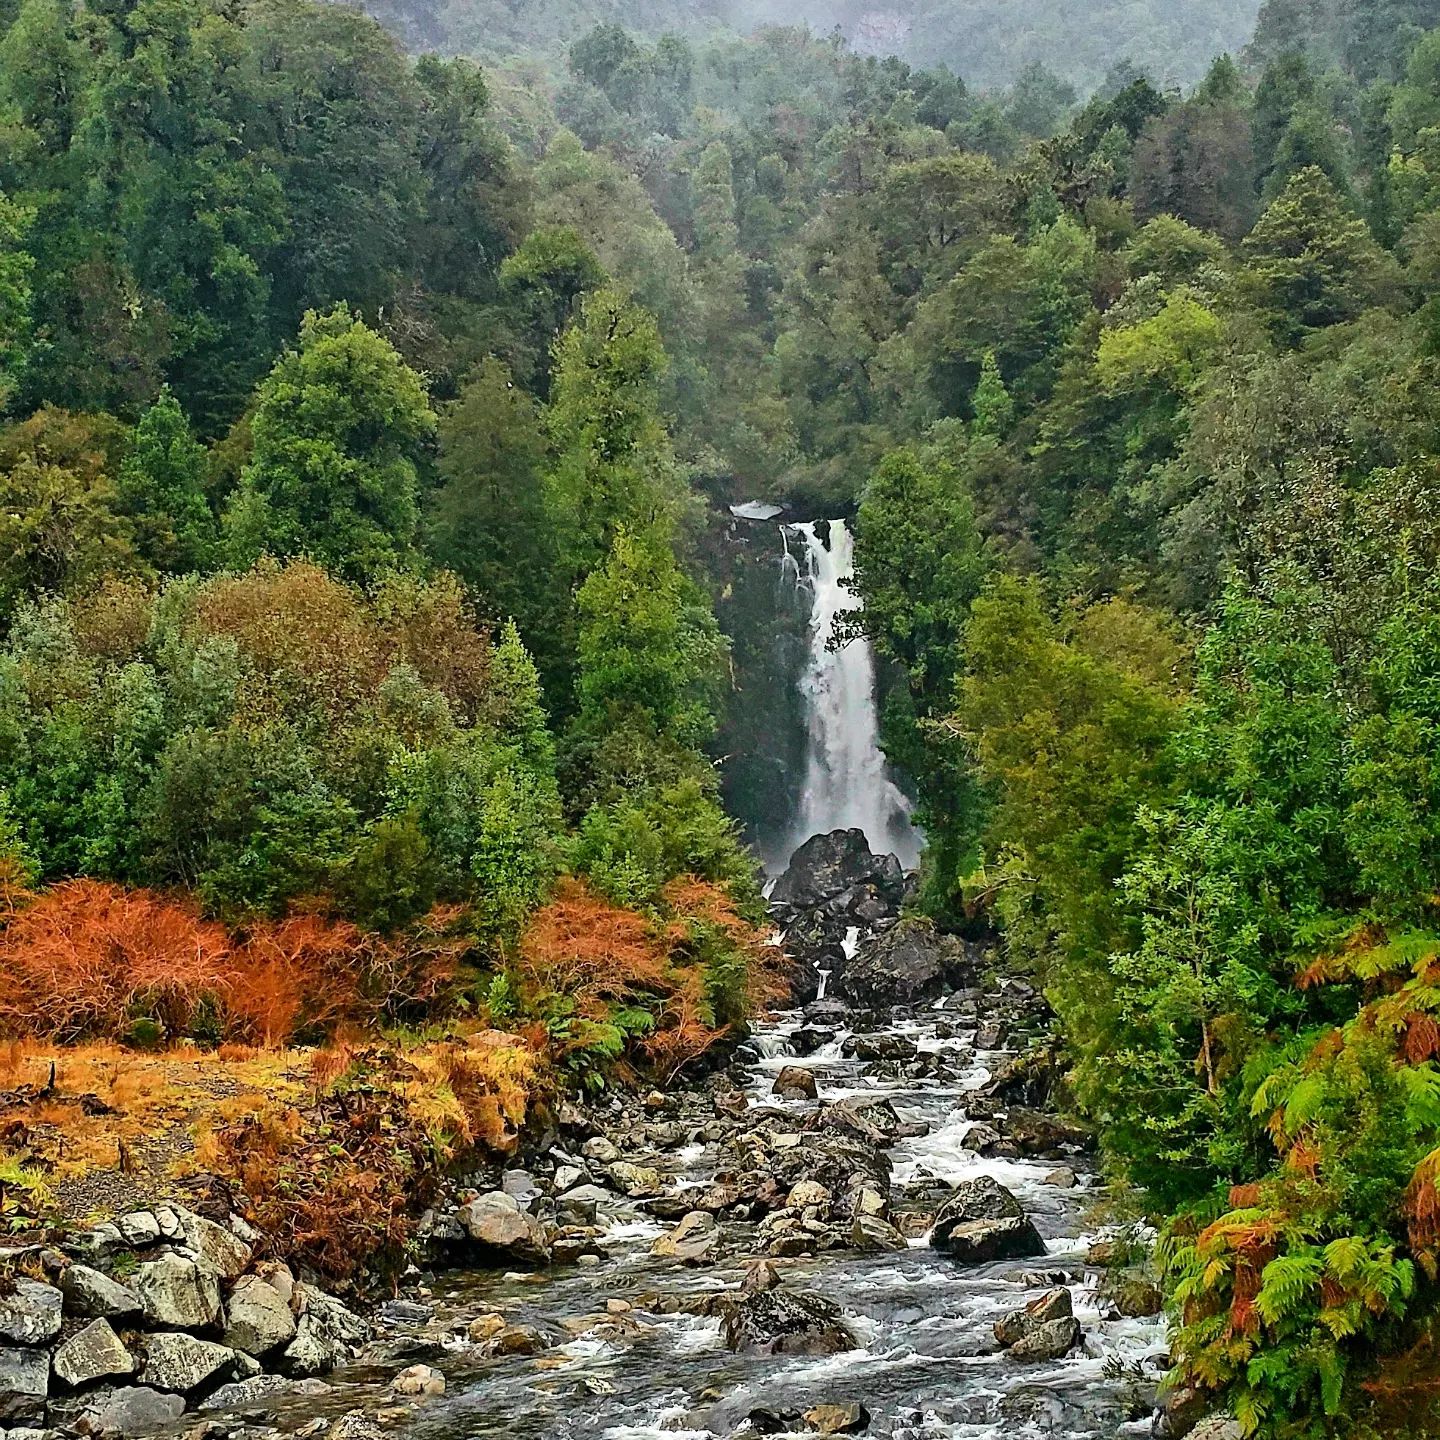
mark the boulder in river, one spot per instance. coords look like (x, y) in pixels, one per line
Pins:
(1048, 1341)
(794, 1082)
(1014, 1327)
(783, 1322)
(847, 1417)
(134, 1410)
(983, 1221)
(694, 1241)
(496, 1222)
(826, 867)
(912, 961)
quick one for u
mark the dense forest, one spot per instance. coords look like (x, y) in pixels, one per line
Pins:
(367, 419)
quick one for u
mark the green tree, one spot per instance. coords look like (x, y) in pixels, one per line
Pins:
(338, 428)
(161, 486)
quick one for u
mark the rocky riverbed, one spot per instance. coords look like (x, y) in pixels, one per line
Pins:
(869, 1222)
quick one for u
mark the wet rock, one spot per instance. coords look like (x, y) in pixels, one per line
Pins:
(92, 1293)
(846, 1418)
(983, 1221)
(259, 1320)
(1185, 1408)
(1063, 1178)
(1037, 1133)
(784, 1322)
(633, 1180)
(1134, 1296)
(30, 1314)
(24, 1385)
(134, 1410)
(496, 1222)
(601, 1150)
(870, 1233)
(354, 1425)
(419, 1380)
(485, 1327)
(794, 1082)
(1050, 1341)
(913, 961)
(694, 1241)
(879, 1047)
(809, 1038)
(828, 866)
(246, 1394)
(325, 1334)
(518, 1340)
(183, 1365)
(94, 1353)
(760, 1277)
(177, 1293)
(1014, 1327)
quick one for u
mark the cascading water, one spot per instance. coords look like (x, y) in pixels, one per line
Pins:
(847, 785)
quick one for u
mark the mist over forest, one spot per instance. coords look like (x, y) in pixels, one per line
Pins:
(989, 42)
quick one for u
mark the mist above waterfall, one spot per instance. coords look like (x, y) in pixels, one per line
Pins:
(847, 781)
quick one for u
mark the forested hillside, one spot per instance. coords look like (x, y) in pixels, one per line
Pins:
(365, 419)
(990, 42)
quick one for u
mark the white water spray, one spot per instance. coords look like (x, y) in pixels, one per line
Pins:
(846, 783)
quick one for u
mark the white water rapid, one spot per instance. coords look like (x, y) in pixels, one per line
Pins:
(846, 782)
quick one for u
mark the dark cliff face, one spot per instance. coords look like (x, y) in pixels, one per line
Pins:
(766, 616)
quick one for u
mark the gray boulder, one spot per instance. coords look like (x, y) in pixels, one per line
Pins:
(258, 1319)
(94, 1353)
(184, 1365)
(1048, 1341)
(24, 1385)
(354, 1425)
(215, 1247)
(135, 1410)
(983, 1221)
(871, 1233)
(247, 1394)
(913, 961)
(92, 1293)
(1014, 1327)
(325, 1335)
(139, 1228)
(795, 1082)
(783, 1322)
(825, 867)
(31, 1314)
(496, 1222)
(177, 1293)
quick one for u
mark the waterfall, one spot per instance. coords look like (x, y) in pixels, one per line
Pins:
(846, 782)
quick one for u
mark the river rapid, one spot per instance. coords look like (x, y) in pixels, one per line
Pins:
(633, 1355)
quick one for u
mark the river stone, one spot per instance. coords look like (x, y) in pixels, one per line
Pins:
(760, 1276)
(215, 1246)
(983, 1221)
(846, 1418)
(911, 962)
(31, 1314)
(601, 1150)
(419, 1380)
(794, 1082)
(134, 1410)
(324, 1335)
(1014, 1327)
(826, 867)
(783, 1322)
(258, 1319)
(92, 1293)
(1217, 1427)
(180, 1363)
(496, 1221)
(1048, 1341)
(247, 1394)
(633, 1180)
(354, 1425)
(871, 1233)
(177, 1293)
(694, 1241)
(94, 1353)
(807, 1192)
(24, 1385)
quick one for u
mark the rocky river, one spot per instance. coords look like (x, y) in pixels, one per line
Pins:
(840, 1232)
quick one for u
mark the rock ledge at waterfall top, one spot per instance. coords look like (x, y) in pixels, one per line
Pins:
(828, 867)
